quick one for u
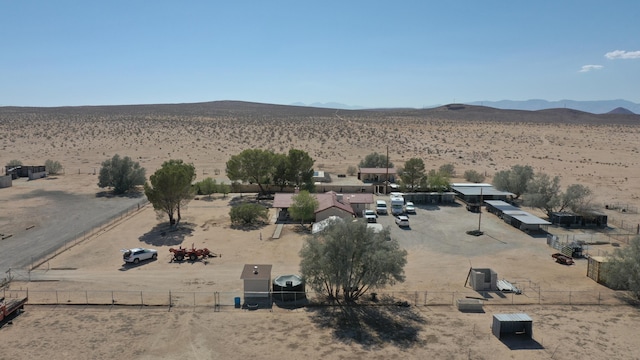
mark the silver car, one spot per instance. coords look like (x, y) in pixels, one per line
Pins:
(402, 221)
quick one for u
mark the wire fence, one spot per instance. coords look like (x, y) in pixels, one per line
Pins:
(227, 301)
(74, 239)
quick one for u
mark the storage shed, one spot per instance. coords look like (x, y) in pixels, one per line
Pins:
(512, 324)
(257, 280)
(288, 288)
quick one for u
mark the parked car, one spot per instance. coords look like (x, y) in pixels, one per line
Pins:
(402, 221)
(381, 207)
(409, 208)
(370, 215)
(136, 255)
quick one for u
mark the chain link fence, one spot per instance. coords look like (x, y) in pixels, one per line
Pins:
(227, 301)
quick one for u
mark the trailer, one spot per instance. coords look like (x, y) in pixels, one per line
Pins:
(562, 259)
(192, 254)
(11, 306)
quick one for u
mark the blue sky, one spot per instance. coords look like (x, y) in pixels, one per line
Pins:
(367, 53)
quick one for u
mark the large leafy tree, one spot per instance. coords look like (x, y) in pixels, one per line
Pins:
(348, 258)
(622, 270)
(375, 160)
(252, 165)
(121, 174)
(170, 188)
(414, 173)
(543, 192)
(300, 168)
(576, 197)
(513, 180)
(303, 207)
(438, 181)
(279, 173)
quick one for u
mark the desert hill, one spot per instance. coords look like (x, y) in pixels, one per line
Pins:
(256, 111)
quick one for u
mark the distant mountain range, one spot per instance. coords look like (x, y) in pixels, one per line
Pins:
(594, 107)
(331, 105)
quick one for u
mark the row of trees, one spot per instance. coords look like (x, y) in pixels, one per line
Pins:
(541, 191)
(264, 167)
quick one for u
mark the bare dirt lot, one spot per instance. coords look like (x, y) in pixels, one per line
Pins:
(602, 156)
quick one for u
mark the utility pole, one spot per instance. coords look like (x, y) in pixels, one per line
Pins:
(480, 210)
(386, 183)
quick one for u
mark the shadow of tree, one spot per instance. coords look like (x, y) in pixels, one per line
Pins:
(166, 235)
(372, 326)
(133, 194)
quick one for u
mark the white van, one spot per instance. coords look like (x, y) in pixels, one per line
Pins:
(381, 207)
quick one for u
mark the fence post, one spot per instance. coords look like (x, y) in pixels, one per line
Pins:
(86, 297)
(57, 301)
(569, 297)
(169, 300)
(141, 299)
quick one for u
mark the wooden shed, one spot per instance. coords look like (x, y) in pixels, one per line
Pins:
(512, 324)
(257, 280)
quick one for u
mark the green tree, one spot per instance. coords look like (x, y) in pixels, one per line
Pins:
(121, 174)
(170, 188)
(348, 258)
(248, 214)
(303, 207)
(300, 168)
(53, 167)
(375, 160)
(224, 189)
(622, 270)
(279, 173)
(514, 180)
(413, 174)
(207, 186)
(437, 181)
(543, 192)
(447, 170)
(252, 165)
(473, 176)
(576, 198)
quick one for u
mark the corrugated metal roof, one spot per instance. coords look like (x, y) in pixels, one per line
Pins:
(526, 218)
(501, 205)
(512, 317)
(480, 190)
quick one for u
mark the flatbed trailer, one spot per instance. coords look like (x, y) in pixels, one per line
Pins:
(11, 306)
(562, 259)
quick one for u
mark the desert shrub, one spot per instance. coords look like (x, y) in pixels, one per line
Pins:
(14, 163)
(447, 170)
(351, 170)
(248, 214)
(473, 176)
(53, 167)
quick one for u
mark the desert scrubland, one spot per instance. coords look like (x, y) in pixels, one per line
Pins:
(599, 151)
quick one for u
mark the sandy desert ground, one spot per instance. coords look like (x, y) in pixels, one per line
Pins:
(603, 156)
